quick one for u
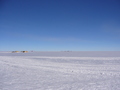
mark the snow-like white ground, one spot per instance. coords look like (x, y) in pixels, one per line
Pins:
(60, 71)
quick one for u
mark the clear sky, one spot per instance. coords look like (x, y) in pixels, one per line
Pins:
(58, 25)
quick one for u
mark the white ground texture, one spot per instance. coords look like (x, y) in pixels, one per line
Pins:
(60, 71)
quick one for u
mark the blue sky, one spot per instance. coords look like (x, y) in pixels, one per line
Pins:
(58, 25)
